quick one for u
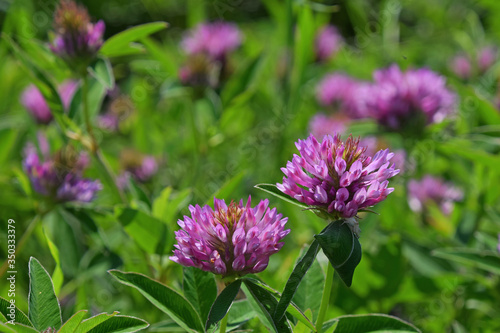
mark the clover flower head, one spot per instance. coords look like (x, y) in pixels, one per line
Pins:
(432, 189)
(141, 167)
(336, 178)
(215, 39)
(321, 125)
(327, 43)
(230, 240)
(59, 177)
(343, 93)
(461, 66)
(33, 100)
(486, 57)
(75, 36)
(402, 99)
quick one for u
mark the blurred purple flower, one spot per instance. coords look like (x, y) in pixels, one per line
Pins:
(461, 66)
(33, 100)
(321, 125)
(486, 57)
(230, 240)
(498, 247)
(215, 39)
(60, 177)
(119, 109)
(432, 189)
(141, 167)
(327, 43)
(75, 36)
(337, 178)
(408, 99)
(200, 70)
(343, 93)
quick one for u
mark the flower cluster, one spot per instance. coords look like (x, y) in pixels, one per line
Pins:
(33, 100)
(119, 109)
(342, 93)
(230, 240)
(402, 99)
(141, 167)
(337, 178)
(75, 36)
(59, 177)
(327, 43)
(432, 189)
(208, 46)
(214, 39)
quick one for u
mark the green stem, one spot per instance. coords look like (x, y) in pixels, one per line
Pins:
(223, 324)
(325, 299)
(22, 241)
(94, 147)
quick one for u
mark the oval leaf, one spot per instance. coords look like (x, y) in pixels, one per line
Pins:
(119, 44)
(222, 304)
(372, 322)
(121, 324)
(43, 307)
(164, 298)
(94, 321)
(342, 249)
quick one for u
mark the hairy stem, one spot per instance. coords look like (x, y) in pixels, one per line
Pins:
(325, 299)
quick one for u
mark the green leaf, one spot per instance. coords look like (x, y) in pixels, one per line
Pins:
(72, 323)
(89, 324)
(120, 44)
(292, 309)
(200, 290)
(487, 260)
(17, 328)
(164, 298)
(273, 190)
(44, 310)
(57, 276)
(21, 318)
(222, 304)
(373, 322)
(342, 249)
(120, 324)
(310, 290)
(146, 230)
(102, 71)
(166, 205)
(241, 312)
(265, 304)
(298, 273)
(227, 189)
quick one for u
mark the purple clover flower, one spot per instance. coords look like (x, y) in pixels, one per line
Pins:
(337, 178)
(60, 177)
(141, 167)
(343, 93)
(33, 100)
(402, 99)
(75, 36)
(321, 125)
(461, 66)
(432, 189)
(486, 57)
(215, 39)
(327, 43)
(230, 240)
